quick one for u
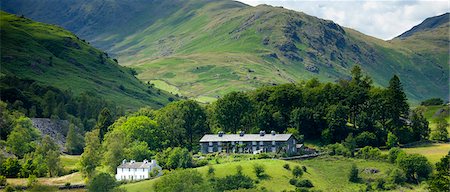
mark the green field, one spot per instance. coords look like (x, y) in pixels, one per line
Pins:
(326, 173)
(434, 152)
(432, 113)
(70, 162)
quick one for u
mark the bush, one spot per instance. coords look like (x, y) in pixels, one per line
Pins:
(259, 170)
(102, 182)
(67, 184)
(2, 180)
(304, 183)
(40, 188)
(353, 175)
(297, 171)
(369, 152)
(393, 154)
(211, 170)
(293, 181)
(432, 101)
(339, 149)
(181, 180)
(9, 188)
(392, 140)
(32, 180)
(173, 158)
(396, 176)
(366, 139)
(233, 182)
(416, 166)
(286, 166)
(304, 169)
(201, 163)
(263, 156)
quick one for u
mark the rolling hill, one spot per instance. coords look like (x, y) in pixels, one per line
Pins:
(53, 56)
(204, 49)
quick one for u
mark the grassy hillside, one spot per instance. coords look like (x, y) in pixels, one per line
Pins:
(56, 57)
(327, 174)
(204, 49)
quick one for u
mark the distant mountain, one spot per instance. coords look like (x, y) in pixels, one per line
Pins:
(53, 56)
(204, 49)
(429, 24)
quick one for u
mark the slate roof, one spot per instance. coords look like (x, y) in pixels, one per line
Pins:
(245, 137)
(135, 165)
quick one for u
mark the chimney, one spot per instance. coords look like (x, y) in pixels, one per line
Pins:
(272, 132)
(124, 161)
(145, 161)
(220, 133)
(132, 161)
(262, 133)
(241, 133)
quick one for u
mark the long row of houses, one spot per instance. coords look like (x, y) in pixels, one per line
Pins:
(221, 142)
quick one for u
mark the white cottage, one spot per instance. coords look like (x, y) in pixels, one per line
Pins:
(133, 170)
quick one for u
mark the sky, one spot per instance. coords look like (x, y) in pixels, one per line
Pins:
(384, 19)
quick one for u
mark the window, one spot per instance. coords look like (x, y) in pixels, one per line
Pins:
(219, 143)
(129, 169)
(253, 142)
(210, 143)
(261, 143)
(273, 142)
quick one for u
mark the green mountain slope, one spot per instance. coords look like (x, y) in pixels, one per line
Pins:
(204, 49)
(56, 57)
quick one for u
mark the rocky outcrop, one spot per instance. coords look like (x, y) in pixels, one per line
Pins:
(56, 129)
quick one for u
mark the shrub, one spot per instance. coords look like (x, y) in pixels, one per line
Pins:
(304, 169)
(286, 166)
(32, 180)
(233, 182)
(181, 180)
(263, 156)
(392, 140)
(297, 171)
(9, 188)
(201, 163)
(293, 181)
(259, 170)
(211, 170)
(40, 188)
(393, 154)
(353, 176)
(366, 139)
(67, 184)
(102, 182)
(369, 152)
(432, 101)
(304, 183)
(339, 149)
(396, 176)
(2, 180)
(416, 166)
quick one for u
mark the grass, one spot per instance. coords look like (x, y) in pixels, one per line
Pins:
(70, 162)
(56, 57)
(434, 152)
(326, 173)
(74, 178)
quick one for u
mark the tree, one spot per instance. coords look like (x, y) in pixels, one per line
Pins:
(337, 120)
(21, 139)
(103, 182)
(105, 119)
(350, 143)
(396, 176)
(49, 150)
(353, 175)
(115, 144)
(232, 111)
(297, 171)
(142, 128)
(182, 180)
(138, 151)
(366, 139)
(10, 167)
(415, 166)
(392, 140)
(173, 158)
(74, 141)
(440, 133)
(396, 102)
(358, 92)
(91, 156)
(419, 125)
(441, 179)
(185, 121)
(394, 153)
(432, 101)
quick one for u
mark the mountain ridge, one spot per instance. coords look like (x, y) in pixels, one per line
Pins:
(208, 48)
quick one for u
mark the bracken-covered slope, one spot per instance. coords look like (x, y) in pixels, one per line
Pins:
(56, 57)
(205, 49)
